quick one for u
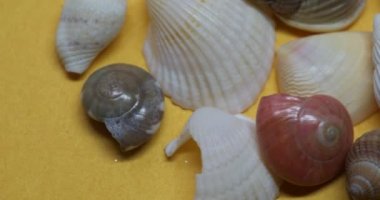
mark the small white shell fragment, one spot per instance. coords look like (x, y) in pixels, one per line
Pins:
(335, 64)
(86, 27)
(232, 168)
(209, 53)
(376, 57)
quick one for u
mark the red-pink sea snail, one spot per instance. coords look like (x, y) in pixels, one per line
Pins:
(304, 140)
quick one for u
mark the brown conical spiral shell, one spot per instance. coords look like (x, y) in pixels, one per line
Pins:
(363, 167)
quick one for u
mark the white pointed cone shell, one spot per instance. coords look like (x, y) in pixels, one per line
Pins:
(335, 64)
(325, 15)
(209, 53)
(376, 57)
(85, 29)
(232, 167)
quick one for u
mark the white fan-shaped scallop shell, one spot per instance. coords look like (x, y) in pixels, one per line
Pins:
(209, 53)
(318, 15)
(85, 29)
(232, 168)
(376, 57)
(335, 64)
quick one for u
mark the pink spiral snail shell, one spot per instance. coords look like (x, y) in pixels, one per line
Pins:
(304, 140)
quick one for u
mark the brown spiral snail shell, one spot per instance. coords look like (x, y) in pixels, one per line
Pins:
(363, 167)
(304, 140)
(128, 100)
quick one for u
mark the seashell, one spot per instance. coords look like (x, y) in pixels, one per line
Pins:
(363, 167)
(317, 15)
(209, 53)
(232, 167)
(128, 100)
(328, 64)
(85, 29)
(313, 133)
(376, 58)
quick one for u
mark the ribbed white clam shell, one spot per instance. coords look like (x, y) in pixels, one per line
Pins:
(232, 168)
(324, 15)
(376, 57)
(85, 29)
(209, 53)
(335, 64)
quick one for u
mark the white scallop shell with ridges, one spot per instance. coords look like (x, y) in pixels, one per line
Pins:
(209, 53)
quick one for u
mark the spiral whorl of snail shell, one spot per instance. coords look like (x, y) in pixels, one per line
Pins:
(304, 140)
(128, 100)
(363, 167)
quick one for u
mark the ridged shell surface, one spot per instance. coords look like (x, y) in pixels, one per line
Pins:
(214, 53)
(318, 15)
(329, 64)
(363, 167)
(232, 167)
(85, 29)
(376, 58)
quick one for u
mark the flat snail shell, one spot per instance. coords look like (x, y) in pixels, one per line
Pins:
(128, 100)
(363, 167)
(304, 140)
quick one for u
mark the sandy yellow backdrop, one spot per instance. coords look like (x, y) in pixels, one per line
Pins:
(50, 149)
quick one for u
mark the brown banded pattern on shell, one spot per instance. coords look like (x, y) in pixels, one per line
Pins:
(285, 7)
(128, 100)
(363, 167)
(317, 15)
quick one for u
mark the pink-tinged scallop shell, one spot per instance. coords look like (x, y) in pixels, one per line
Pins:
(363, 167)
(304, 140)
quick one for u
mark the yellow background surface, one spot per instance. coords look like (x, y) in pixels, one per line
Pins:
(50, 149)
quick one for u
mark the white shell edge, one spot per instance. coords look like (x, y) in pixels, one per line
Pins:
(242, 177)
(376, 58)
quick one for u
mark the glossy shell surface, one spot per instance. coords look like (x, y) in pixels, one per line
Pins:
(304, 140)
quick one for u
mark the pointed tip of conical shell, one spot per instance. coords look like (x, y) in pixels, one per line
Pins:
(86, 27)
(77, 68)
